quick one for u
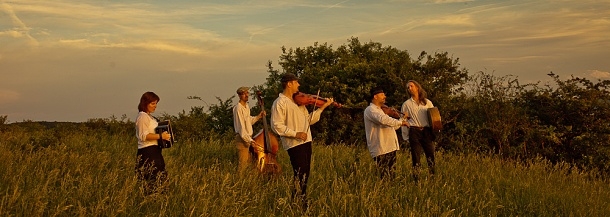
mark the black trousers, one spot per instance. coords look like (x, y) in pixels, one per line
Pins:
(150, 168)
(300, 159)
(385, 163)
(420, 140)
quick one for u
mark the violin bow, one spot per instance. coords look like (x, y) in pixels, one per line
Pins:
(313, 109)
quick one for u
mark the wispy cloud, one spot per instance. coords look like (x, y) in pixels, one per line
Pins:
(513, 59)
(147, 45)
(7, 96)
(20, 29)
(262, 30)
(452, 20)
(599, 74)
(450, 1)
(134, 26)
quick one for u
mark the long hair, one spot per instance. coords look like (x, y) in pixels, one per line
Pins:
(421, 93)
(146, 99)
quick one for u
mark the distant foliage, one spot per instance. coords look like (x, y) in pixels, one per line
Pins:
(485, 116)
(199, 124)
(3, 119)
(112, 125)
(574, 115)
(566, 121)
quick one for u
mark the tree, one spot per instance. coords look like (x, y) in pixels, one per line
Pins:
(349, 72)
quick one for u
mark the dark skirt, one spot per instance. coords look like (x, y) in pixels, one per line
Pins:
(150, 168)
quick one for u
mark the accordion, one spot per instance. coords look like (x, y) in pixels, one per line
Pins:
(165, 126)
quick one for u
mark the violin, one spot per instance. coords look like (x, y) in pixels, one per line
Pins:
(392, 112)
(310, 99)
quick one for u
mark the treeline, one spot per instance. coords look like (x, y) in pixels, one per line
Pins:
(563, 120)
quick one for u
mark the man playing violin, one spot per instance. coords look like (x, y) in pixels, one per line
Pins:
(292, 122)
(380, 131)
(242, 122)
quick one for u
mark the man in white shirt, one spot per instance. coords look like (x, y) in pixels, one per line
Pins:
(380, 131)
(419, 134)
(292, 121)
(242, 122)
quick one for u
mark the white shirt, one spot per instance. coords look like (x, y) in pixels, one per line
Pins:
(242, 122)
(418, 115)
(287, 118)
(380, 131)
(145, 124)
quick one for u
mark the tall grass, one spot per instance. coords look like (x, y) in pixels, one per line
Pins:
(89, 174)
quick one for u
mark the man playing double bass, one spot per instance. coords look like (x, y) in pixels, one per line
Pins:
(242, 122)
(292, 123)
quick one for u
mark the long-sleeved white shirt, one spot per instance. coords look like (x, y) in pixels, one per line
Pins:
(242, 122)
(418, 115)
(288, 118)
(380, 131)
(145, 124)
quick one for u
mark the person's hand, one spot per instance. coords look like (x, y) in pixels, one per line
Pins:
(301, 136)
(166, 136)
(257, 148)
(262, 114)
(405, 123)
(328, 102)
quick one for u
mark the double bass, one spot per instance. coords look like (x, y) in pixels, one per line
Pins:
(268, 144)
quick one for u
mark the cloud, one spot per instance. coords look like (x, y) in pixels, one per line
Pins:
(599, 74)
(296, 20)
(146, 45)
(450, 20)
(7, 96)
(514, 59)
(450, 1)
(20, 29)
(12, 33)
(139, 26)
(462, 19)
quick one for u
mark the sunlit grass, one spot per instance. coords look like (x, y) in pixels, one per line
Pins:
(92, 175)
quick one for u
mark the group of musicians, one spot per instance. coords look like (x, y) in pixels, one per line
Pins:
(292, 122)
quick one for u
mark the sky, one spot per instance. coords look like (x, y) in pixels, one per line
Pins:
(75, 60)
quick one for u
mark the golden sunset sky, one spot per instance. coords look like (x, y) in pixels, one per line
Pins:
(72, 60)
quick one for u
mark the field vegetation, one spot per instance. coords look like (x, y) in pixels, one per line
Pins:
(78, 171)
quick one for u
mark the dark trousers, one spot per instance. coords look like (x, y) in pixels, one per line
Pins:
(300, 159)
(150, 168)
(420, 140)
(385, 163)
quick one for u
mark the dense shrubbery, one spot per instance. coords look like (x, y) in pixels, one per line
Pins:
(572, 118)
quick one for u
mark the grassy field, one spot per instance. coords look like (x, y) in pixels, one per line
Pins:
(90, 174)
